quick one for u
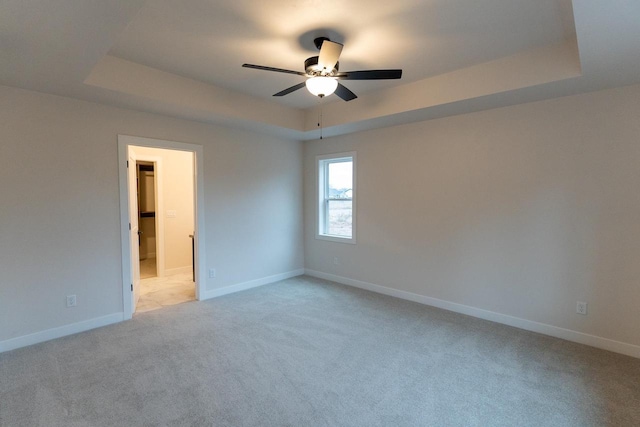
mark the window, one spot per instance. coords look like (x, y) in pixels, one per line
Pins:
(336, 197)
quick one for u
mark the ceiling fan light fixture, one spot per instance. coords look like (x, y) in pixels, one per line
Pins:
(321, 86)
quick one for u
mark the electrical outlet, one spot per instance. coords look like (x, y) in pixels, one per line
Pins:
(581, 308)
(212, 273)
(336, 260)
(71, 301)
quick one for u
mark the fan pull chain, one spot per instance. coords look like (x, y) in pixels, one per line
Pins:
(320, 121)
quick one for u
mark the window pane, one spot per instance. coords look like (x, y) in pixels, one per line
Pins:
(340, 219)
(340, 180)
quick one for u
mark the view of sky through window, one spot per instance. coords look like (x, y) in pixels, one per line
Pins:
(340, 178)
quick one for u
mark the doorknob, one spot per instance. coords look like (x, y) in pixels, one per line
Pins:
(139, 233)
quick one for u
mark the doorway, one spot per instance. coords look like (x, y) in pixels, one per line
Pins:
(147, 220)
(162, 214)
(165, 201)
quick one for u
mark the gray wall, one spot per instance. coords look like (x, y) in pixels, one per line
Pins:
(59, 211)
(522, 211)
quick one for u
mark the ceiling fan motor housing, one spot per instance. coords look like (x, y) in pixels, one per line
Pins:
(319, 40)
(313, 69)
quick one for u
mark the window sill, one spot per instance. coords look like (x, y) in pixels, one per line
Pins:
(337, 239)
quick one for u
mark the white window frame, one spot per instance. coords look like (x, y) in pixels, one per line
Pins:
(322, 163)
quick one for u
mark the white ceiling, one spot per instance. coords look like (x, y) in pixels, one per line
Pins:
(183, 57)
(209, 41)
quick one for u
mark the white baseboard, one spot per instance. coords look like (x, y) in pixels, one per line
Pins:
(49, 334)
(252, 284)
(541, 328)
(74, 328)
(179, 270)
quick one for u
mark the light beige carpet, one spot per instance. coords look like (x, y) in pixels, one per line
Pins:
(305, 352)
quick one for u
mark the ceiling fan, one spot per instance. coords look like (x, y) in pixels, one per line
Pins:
(322, 72)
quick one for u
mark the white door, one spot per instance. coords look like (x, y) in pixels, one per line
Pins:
(134, 237)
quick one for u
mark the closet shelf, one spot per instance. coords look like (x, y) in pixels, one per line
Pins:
(147, 214)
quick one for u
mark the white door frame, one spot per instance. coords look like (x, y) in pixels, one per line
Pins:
(124, 141)
(134, 227)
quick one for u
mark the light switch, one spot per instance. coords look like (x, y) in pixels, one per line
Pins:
(171, 214)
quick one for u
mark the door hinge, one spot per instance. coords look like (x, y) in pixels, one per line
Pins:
(127, 163)
(132, 287)
(129, 226)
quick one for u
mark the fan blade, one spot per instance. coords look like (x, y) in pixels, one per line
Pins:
(370, 75)
(329, 54)
(345, 93)
(277, 70)
(291, 89)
